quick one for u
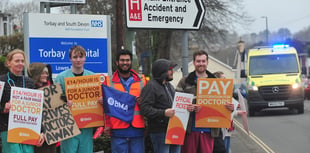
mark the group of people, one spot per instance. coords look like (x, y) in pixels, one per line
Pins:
(153, 104)
(39, 75)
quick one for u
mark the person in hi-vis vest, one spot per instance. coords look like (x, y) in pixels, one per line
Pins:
(126, 137)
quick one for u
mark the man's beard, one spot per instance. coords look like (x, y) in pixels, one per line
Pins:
(201, 71)
(123, 71)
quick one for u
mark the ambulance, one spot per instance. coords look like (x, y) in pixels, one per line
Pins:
(273, 79)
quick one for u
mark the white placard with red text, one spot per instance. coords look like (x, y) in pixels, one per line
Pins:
(178, 123)
(25, 115)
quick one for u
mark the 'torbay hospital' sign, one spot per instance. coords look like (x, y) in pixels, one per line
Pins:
(49, 37)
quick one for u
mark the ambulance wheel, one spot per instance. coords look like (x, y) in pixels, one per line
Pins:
(300, 108)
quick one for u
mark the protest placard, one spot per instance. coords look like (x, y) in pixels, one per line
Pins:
(212, 95)
(25, 116)
(57, 120)
(178, 123)
(1, 88)
(84, 92)
(243, 116)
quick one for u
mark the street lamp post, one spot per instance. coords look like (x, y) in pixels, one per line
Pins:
(239, 60)
(266, 18)
(241, 49)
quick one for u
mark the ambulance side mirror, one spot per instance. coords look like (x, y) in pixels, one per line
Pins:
(242, 73)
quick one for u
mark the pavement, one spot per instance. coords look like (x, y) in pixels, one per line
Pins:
(241, 142)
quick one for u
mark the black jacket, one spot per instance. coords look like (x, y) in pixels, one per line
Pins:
(155, 98)
(18, 82)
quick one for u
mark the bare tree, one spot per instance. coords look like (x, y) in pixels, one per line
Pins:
(4, 5)
(217, 31)
(221, 17)
(303, 35)
(18, 9)
(98, 7)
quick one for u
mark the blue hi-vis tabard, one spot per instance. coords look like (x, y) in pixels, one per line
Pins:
(118, 104)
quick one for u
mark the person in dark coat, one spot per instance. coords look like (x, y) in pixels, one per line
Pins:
(156, 105)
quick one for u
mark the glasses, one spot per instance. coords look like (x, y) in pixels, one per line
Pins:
(124, 60)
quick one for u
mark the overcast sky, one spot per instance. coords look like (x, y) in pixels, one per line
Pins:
(291, 14)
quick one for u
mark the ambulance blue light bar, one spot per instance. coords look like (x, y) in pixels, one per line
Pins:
(280, 46)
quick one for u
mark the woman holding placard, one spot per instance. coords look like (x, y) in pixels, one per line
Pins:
(15, 61)
(42, 76)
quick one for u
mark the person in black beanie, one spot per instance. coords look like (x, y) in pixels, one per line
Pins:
(156, 105)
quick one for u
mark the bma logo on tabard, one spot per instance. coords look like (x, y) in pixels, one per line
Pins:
(117, 104)
(135, 10)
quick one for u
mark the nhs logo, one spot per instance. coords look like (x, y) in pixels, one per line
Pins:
(96, 23)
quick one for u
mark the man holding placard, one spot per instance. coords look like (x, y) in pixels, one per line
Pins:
(197, 138)
(127, 131)
(82, 142)
(156, 105)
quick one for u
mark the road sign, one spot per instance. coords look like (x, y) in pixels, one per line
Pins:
(165, 14)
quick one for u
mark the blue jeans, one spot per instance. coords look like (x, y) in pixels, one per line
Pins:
(159, 146)
(127, 145)
(227, 143)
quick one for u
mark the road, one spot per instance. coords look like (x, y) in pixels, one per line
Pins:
(275, 131)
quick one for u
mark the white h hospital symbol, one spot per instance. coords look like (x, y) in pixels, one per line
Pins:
(136, 2)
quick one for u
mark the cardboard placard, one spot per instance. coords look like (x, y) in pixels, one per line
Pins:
(57, 120)
(25, 116)
(212, 95)
(243, 116)
(84, 92)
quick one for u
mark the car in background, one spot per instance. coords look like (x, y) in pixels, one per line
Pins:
(242, 88)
